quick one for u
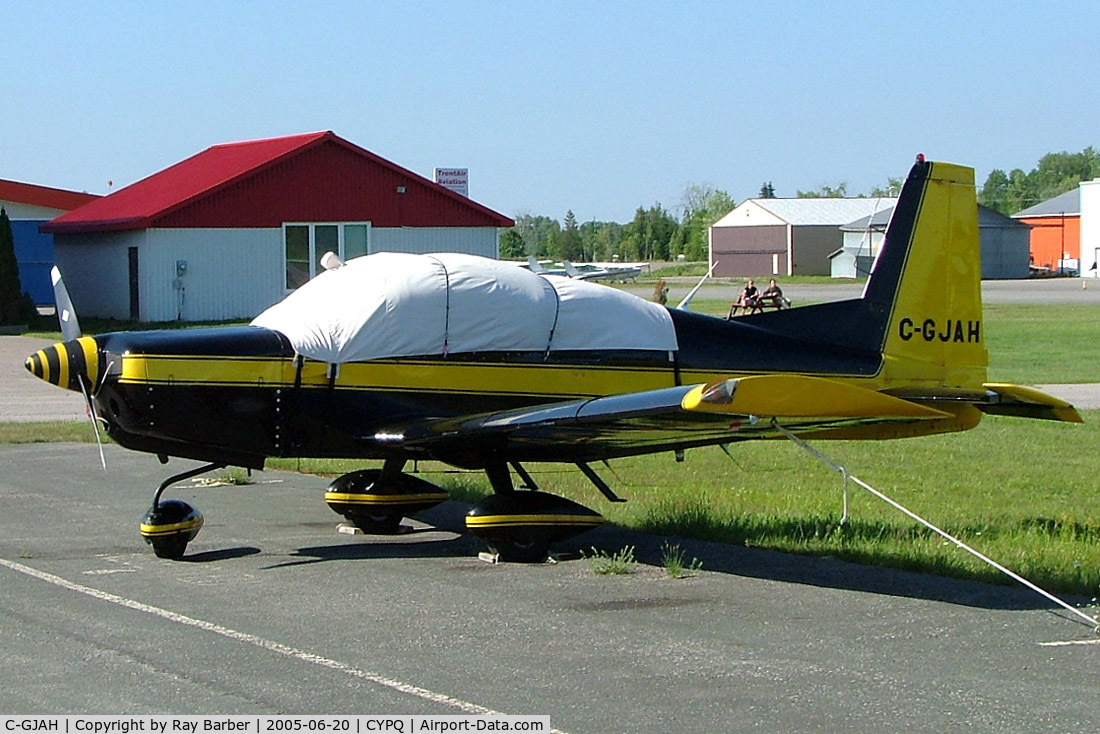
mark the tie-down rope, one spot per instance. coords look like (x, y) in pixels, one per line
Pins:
(844, 472)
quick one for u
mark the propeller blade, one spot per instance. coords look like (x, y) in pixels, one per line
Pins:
(70, 328)
(95, 421)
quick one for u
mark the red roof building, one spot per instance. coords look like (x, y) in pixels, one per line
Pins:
(28, 207)
(259, 213)
(14, 193)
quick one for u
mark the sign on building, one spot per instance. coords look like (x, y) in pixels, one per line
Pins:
(455, 179)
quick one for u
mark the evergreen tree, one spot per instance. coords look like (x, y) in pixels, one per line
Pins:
(15, 306)
(570, 244)
(767, 191)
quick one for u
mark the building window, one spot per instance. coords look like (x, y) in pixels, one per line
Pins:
(305, 244)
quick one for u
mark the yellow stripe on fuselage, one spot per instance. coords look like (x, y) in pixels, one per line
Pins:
(157, 369)
(449, 376)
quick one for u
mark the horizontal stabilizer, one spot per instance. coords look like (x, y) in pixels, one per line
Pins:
(799, 396)
(1027, 402)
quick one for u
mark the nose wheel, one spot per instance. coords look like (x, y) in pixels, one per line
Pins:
(171, 524)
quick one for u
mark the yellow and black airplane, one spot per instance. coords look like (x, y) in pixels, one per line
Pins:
(907, 358)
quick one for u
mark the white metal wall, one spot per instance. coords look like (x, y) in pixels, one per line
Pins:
(96, 270)
(230, 273)
(482, 241)
(19, 211)
(1090, 228)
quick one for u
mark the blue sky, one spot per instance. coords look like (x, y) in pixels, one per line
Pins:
(595, 107)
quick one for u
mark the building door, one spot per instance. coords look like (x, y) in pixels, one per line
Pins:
(135, 303)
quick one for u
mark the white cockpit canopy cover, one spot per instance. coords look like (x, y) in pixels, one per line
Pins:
(402, 305)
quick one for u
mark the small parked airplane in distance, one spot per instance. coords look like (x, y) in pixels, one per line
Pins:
(591, 271)
(536, 267)
(483, 365)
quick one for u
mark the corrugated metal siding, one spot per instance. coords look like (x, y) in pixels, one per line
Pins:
(1004, 252)
(231, 273)
(811, 247)
(97, 272)
(327, 183)
(1053, 238)
(34, 256)
(743, 251)
(748, 214)
(468, 240)
(843, 265)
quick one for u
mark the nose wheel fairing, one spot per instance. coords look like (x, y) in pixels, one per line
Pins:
(169, 526)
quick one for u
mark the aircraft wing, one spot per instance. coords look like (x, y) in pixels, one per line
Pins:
(671, 418)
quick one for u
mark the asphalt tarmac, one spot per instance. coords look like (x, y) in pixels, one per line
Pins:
(273, 611)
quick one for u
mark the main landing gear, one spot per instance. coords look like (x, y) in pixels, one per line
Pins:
(517, 525)
(375, 500)
(520, 525)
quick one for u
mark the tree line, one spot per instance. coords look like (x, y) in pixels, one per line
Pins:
(1056, 174)
(657, 234)
(654, 234)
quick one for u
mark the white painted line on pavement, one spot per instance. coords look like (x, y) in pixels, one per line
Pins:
(276, 647)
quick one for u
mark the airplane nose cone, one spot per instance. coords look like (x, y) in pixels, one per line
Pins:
(67, 364)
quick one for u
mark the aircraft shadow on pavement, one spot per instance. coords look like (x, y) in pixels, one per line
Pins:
(830, 573)
(223, 554)
(421, 542)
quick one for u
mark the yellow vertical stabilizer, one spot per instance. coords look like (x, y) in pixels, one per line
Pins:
(935, 334)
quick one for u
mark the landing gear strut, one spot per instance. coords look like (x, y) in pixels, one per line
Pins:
(170, 525)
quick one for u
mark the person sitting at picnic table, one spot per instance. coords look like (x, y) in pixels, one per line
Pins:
(774, 294)
(747, 299)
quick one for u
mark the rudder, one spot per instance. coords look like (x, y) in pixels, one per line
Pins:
(930, 285)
